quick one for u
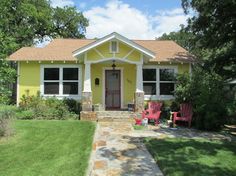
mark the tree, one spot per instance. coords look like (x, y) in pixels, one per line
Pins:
(181, 37)
(205, 91)
(68, 23)
(23, 21)
(214, 30)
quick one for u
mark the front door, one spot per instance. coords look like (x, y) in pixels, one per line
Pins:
(113, 89)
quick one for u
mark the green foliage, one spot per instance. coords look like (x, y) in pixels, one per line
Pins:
(6, 114)
(73, 105)
(139, 127)
(35, 107)
(183, 90)
(205, 91)
(69, 23)
(7, 77)
(181, 37)
(213, 28)
(24, 22)
(25, 115)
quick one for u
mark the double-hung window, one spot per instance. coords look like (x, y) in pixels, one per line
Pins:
(70, 81)
(159, 81)
(150, 81)
(167, 81)
(60, 81)
(51, 81)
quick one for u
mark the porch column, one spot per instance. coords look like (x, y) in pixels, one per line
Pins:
(139, 94)
(87, 92)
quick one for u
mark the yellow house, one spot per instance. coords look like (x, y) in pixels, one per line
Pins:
(112, 72)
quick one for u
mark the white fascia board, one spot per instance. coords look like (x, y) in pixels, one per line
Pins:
(110, 37)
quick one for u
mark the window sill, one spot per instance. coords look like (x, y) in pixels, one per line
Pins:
(77, 97)
(160, 97)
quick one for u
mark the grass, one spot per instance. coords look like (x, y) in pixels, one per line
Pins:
(200, 157)
(47, 148)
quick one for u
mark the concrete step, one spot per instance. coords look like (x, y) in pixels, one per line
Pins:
(115, 116)
(107, 119)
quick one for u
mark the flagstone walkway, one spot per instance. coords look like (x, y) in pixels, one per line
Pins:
(117, 152)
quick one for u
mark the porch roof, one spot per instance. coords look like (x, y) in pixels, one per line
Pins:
(65, 49)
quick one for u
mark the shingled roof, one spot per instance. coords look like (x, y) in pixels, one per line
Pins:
(62, 50)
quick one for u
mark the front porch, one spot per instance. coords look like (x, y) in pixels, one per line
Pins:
(112, 88)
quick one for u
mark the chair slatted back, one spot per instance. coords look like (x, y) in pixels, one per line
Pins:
(186, 110)
(154, 106)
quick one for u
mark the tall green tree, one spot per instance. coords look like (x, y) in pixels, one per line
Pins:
(214, 30)
(23, 21)
(182, 37)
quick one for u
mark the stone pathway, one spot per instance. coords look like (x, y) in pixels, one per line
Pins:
(118, 149)
(117, 152)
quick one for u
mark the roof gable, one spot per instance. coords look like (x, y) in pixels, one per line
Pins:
(118, 37)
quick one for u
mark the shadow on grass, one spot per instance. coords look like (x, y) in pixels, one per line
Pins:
(193, 157)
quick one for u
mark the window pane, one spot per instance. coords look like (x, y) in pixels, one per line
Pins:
(51, 88)
(149, 88)
(70, 88)
(51, 73)
(167, 75)
(70, 73)
(149, 74)
(167, 88)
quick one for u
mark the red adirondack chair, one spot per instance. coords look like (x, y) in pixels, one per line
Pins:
(185, 114)
(153, 111)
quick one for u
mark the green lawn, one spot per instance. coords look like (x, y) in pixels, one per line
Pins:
(184, 157)
(47, 148)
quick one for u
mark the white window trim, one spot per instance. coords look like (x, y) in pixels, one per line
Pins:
(61, 95)
(158, 96)
(117, 47)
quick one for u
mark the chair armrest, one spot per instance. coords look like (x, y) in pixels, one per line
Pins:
(175, 114)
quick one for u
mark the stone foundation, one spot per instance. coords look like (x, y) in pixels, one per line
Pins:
(87, 101)
(88, 116)
(139, 101)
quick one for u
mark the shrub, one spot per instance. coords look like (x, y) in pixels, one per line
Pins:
(36, 107)
(205, 92)
(58, 109)
(6, 114)
(73, 105)
(25, 115)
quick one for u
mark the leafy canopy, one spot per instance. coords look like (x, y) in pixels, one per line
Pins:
(23, 21)
(181, 37)
(214, 30)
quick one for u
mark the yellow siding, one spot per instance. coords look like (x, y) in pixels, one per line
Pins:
(29, 78)
(183, 68)
(129, 82)
(104, 49)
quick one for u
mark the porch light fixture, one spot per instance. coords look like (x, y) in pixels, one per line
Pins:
(113, 65)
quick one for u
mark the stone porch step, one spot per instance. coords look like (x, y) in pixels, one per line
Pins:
(115, 116)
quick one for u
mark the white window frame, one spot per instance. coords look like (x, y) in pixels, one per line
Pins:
(117, 47)
(61, 81)
(158, 96)
(156, 81)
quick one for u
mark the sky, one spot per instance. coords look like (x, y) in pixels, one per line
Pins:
(135, 19)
